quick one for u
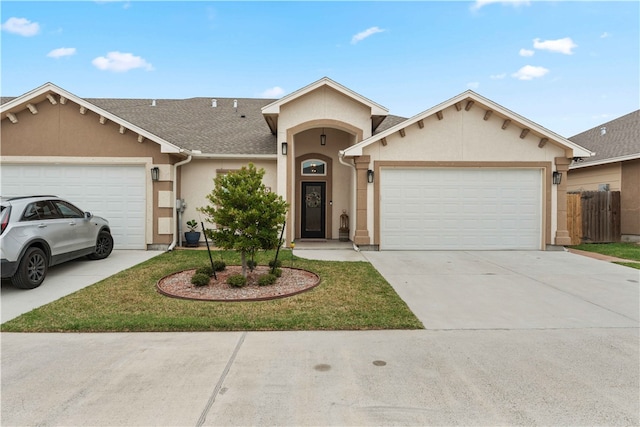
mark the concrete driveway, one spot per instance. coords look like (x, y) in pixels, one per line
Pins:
(64, 279)
(512, 290)
(513, 338)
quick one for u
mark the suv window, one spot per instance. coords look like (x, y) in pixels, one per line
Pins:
(40, 210)
(68, 210)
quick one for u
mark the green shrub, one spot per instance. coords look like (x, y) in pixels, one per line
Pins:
(277, 263)
(237, 280)
(267, 279)
(200, 279)
(252, 264)
(205, 270)
(277, 272)
(219, 265)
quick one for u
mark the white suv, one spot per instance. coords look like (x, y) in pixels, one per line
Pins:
(37, 232)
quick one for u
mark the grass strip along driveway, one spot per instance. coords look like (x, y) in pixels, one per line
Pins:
(351, 296)
(630, 251)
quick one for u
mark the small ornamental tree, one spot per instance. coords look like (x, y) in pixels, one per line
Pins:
(247, 217)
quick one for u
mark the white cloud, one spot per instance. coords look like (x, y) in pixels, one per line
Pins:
(60, 52)
(498, 76)
(366, 33)
(21, 26)
(527, 52)
(121, 62)
(274, 92)
(564, 45)
(529, 72)
(481, 3)
(605, 35)
(473, 85)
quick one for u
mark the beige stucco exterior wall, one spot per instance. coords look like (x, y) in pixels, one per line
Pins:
(60, 133)
(463, 138)
(630, 201)
(589, 178)
(300, 122)
(197, 182)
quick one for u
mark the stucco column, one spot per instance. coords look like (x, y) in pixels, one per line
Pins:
(361, 236)
(562, 234)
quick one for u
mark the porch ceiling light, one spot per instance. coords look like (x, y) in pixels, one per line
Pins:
(557, 177)
(284, 148)
(369, 176)
(155, 174)
(323, 138)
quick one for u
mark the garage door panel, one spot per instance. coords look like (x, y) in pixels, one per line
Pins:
(460, 208)
(117, 193)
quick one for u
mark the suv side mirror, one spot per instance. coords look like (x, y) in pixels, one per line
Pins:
(87, 215)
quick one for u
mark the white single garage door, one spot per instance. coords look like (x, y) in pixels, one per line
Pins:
(116, 193)
(460, 209)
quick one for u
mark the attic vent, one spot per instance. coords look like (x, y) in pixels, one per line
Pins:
(235, 104)
(603, 130)
(153, 103)
(214, 103)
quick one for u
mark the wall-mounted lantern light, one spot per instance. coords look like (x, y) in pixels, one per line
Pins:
(323, 138)
(155, 174)
(284, 148)
(369, 176)
(557, 177)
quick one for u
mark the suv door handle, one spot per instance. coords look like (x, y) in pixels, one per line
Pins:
(42, 225)
(72, 223)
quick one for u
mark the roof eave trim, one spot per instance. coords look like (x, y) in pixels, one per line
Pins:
(274, 107)
(216, 156)
(634, 156)
(577, 150)
(165, 146)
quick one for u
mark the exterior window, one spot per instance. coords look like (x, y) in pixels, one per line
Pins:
(314, 167)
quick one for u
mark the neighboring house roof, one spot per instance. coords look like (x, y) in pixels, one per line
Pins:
(614, 141)
(466, 97)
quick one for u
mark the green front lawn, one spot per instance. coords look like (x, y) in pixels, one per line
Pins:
(630, 251)
(351, 296)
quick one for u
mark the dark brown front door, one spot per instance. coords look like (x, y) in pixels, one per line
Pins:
(313, 210)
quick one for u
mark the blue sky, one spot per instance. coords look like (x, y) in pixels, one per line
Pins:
(566, 65)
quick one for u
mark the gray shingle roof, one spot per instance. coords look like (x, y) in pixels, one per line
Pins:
(195, 125)
(614, 139)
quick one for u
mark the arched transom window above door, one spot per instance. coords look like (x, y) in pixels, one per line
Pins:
(314, 167)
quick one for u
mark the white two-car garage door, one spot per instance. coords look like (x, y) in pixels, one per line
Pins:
(460, 209)
(116, 193)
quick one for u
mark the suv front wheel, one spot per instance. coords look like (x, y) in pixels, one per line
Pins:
(104, 246)
(32, 269)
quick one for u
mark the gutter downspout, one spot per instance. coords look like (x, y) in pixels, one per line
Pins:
(341, 160)
(175, 192)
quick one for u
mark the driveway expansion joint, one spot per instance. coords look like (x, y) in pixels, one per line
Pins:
(218, 387)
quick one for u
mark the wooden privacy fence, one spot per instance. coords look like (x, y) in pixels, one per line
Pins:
(593, 217)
